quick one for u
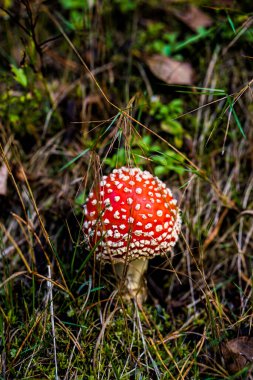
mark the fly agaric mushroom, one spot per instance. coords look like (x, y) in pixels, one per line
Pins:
(130, 218)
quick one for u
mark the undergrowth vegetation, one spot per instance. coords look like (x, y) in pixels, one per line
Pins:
(80, 94)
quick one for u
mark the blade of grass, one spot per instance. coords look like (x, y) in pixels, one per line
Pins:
(201, 34)
(74, 159)
(230, 21)
(238, 123)
(93, 145)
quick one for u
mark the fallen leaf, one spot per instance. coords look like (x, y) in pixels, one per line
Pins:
(170, 70)
(194, 18)
(3, 179)
(237, 353)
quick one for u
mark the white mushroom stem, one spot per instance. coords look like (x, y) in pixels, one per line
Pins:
(131, 279)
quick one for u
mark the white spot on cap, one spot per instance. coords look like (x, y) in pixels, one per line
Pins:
(138, 232)
(166, 225)
(148, 205)
(138, 206)
(132, 183)
(122, 226)
(109, 232)
(159, 228)
(109, 191)
(139, 224)
(120, 186)
(130, 219)
(92, 213)
(107, 202)
(159, 213)
(126, 190)
(138, 190)
(149, 225)
(117, 198)
(94, 202)
(129, 201)
(106, 221)
(116, 215)
(158, 195)
(144, 216)
(117, 234)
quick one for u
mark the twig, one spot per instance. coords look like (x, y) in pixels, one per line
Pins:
(51, 307)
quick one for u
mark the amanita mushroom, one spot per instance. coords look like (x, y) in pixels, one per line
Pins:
(130, 218)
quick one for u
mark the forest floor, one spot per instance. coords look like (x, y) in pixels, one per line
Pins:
(89, 86)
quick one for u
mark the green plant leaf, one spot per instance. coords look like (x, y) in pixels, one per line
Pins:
(172, 126)
(19, 75)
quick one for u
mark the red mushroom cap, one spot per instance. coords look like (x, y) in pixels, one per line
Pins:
(131, 215)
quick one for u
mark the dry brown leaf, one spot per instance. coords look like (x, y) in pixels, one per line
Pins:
(237, 353)
(194, 18)
(169, 70)
(3, 179)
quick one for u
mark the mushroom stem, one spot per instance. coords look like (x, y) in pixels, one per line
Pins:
(132, 280)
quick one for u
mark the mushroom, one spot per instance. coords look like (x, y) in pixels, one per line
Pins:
(131, 217)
